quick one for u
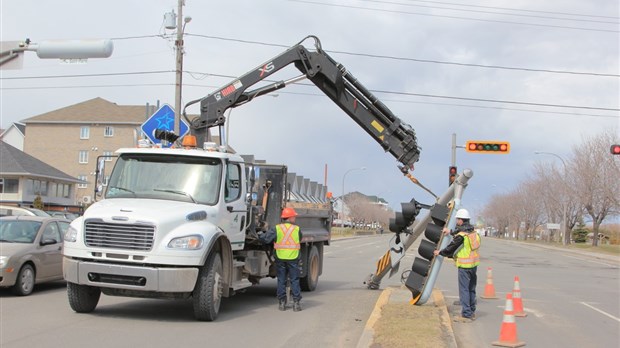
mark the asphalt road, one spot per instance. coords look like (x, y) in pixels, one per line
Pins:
(333, 316)
(571, 299)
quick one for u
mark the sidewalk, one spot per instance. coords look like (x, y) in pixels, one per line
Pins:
(396, 323)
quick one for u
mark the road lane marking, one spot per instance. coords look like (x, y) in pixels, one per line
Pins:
(600, 311)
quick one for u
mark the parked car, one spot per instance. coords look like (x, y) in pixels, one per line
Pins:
(30, 251)
(63, 214)
(9, 210)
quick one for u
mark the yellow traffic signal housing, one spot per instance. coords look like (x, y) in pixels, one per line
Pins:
(487, 146)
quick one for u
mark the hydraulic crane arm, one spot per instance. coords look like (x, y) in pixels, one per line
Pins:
(331, 77)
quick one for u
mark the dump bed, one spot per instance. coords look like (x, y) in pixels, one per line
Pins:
(272, 188)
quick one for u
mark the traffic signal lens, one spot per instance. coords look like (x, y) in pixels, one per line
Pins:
(615, 149)
(497, 147)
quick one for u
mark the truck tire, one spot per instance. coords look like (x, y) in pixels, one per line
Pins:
(24, 284)
(83, 298)
(313, 265)
(207, 295)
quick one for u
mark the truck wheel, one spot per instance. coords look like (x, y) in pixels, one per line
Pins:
(83, 298)
(309, 282)
(24, 284)
(207, 294)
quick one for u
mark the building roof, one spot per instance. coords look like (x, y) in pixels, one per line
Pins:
(18, 163)
(97, 110)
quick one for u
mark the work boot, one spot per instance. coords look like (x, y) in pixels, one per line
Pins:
(296, 306)
(282, 305)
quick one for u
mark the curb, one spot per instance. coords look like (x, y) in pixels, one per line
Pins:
(367, 337)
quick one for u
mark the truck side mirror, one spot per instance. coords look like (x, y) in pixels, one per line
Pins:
(100, 176)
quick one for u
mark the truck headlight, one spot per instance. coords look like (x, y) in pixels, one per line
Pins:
(71, 234)
(188, 242)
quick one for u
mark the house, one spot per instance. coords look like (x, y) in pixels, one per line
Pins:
(14, 135)
(72, 138)
(23, 178)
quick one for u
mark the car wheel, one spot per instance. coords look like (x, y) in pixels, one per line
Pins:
(24, 284)
(207, 295)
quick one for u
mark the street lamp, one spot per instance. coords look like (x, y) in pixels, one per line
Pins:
(61, 49)
(342, 197)
(566, 237)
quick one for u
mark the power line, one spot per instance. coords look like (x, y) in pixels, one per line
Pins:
(306, 84)
(419, 60)
(491, 12)
(513, 9)
(320, 95)
(453, 17)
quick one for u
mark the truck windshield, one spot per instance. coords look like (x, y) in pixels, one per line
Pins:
(180, 178)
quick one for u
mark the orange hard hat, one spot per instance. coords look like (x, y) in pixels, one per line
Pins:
(288, 213)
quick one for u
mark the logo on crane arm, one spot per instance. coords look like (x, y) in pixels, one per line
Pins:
(266, 69)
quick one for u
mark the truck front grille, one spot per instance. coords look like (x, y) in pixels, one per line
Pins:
(119, 236)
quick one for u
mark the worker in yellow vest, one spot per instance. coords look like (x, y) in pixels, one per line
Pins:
(464, 250)
(286, 237)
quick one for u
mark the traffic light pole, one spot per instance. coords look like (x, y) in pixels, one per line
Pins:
(384, 265)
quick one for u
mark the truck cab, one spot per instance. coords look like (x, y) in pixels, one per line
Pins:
(183, 223)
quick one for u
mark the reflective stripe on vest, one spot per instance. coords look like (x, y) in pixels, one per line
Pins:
(468, 256)
(287, 241)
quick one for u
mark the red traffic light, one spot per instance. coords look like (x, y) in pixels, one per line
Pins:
(452, 175)
(615, 149)
(487, 146)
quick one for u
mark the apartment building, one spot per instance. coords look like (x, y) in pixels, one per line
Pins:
(72, 138)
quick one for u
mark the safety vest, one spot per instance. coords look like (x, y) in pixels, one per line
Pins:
(287, 241)
(467, 255)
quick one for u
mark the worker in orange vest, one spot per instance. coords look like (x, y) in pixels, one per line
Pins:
(286, 237)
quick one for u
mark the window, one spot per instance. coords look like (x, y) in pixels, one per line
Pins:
(108, 131)
(51, 232)
(83, 178)
(83, 156)
(108, 155)
(36, 187)
(85, 132)
(233, 182)
(9, 185)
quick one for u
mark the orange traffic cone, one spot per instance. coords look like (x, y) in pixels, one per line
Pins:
(508, 331)
(489, 289)
(517, 300)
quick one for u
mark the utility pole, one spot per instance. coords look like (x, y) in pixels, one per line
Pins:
(179, 66)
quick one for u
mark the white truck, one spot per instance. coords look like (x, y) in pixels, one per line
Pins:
(182, 222)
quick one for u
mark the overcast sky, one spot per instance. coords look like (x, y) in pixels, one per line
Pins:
(540, 74)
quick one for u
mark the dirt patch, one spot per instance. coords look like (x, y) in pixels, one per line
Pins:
(405, 325)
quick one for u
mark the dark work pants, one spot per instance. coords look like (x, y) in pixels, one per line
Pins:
(467, 290)
(290, 267)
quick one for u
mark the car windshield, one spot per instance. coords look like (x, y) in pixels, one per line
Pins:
(18, 231)
(182, 178)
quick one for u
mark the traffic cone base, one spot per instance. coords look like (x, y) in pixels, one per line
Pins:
(508, 344)
(489, 289)
(508, 331)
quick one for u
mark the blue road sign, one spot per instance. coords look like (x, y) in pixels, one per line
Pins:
(162, 119)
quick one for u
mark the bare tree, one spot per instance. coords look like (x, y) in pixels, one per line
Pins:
(597, 178)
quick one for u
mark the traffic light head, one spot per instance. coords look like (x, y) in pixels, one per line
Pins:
(452, 175)
(615, 149)
(405, 218)
(487, 146)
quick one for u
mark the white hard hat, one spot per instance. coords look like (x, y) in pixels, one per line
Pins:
(462, 214)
